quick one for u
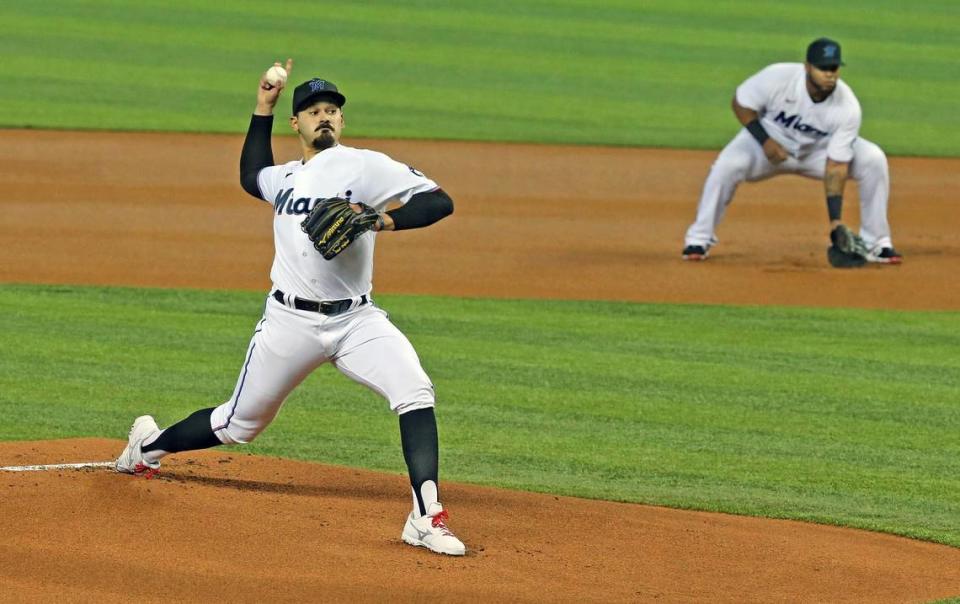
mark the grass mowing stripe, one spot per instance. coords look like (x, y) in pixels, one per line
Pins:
(839, 416)
(658, 73)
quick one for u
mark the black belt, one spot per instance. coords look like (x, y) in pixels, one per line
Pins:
(330, 307)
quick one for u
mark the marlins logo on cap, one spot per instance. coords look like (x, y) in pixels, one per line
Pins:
(824, 52)
(315, 90)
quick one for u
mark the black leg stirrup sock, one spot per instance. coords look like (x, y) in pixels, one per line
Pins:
(189, 434)
(418, 433)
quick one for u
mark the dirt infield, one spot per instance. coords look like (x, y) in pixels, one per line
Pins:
(532, 222)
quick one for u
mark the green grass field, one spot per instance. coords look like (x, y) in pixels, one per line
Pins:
(846, 417)
(620, 72)
(835, 416)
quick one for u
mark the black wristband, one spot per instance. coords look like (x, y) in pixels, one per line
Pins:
(757, 131)
(834, 206)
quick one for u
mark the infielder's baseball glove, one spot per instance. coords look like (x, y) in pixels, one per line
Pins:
(847, 250)
(333, 224)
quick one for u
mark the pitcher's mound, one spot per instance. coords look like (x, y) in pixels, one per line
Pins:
(226, 526)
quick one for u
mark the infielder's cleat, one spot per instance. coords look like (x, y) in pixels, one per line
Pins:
(430, 531)
(131, 461)
(695, 253)
(886, 255)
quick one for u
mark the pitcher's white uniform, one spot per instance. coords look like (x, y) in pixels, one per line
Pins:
(810, 133)
(320, 310)
(288, 343)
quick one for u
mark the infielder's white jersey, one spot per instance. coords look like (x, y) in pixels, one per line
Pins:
(811, 133)
(778, 93)
(293, 189)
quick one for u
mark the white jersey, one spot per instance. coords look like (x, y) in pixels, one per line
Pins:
(778, 93)
(294, 188)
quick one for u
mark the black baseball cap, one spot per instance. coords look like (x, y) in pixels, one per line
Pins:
(315, 90)
(824, 52)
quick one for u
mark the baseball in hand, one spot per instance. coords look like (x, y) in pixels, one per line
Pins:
(277, 76)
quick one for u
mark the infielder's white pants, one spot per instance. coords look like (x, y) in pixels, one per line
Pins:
(288, 344)
(743, 159)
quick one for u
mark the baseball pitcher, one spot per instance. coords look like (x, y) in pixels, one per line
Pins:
(800, 118)
(328, 209)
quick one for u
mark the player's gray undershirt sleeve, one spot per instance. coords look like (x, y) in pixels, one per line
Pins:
(257, 153)
(422, 210)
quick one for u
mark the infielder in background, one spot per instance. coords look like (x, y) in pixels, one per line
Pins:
(800, 118)
(320, 310)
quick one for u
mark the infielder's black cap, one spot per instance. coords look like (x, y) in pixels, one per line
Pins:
(315, 90)
(824, 52)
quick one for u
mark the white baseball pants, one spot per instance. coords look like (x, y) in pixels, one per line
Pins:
(743, 159)
(288, 344)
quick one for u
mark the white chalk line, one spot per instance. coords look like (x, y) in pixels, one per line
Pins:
(57, 466)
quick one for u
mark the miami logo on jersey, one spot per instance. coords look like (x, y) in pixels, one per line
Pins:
(300, 205)
(794, 122)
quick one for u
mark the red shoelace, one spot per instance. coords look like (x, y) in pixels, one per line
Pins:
(440, 520)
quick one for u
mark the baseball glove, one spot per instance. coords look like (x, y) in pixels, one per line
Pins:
(846, 250)
(333, 224)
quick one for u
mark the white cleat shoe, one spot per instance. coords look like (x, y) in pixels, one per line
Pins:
(430, 531)
(131, 461)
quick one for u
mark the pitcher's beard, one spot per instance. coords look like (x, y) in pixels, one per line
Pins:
(324, 141)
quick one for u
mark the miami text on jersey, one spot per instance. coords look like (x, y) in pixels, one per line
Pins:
(794, 122)
(300, 205)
